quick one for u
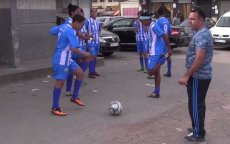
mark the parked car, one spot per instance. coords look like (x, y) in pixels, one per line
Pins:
(124, 29)
(109, 41)
(105, 20)
(221, 31)
(187, 32)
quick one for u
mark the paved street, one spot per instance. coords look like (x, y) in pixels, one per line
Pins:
(26, 119)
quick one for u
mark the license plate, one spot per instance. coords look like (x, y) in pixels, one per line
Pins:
(220, 41)
(114, 44)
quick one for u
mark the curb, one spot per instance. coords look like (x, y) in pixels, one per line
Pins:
(35, 73)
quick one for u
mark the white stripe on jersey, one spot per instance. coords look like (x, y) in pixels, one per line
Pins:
(152, 40)
(65, 56)
(141, 35)
(93, 29)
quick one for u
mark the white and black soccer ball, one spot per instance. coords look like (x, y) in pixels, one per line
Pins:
(115, 108)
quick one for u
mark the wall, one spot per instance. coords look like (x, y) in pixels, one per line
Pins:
(35, 18)
(5, 31)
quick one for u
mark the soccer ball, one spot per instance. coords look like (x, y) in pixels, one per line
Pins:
(115, 108)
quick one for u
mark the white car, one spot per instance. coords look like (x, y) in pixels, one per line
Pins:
(221, 31)
(105, 20)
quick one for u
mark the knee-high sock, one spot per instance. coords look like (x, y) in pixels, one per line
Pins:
(146, 62)
(169, 64)
(56, 97)
(69, 82)
(94, 65)
(77, 85)
(157, 90)
(84, 65)
(141, 61)
(91, 67)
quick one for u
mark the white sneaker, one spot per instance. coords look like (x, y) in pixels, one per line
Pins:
(69, 93)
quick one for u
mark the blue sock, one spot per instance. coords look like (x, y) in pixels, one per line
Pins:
(84, 65)
(77, 85)
(146, 62)
(141, 61)
(91, 67)
(56, 97)
(94, 65)
(69, 82)
(157, 90)
(169, 62)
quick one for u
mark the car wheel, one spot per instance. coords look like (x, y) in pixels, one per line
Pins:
(107, 53)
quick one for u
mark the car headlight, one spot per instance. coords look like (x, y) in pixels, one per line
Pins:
(102, 40)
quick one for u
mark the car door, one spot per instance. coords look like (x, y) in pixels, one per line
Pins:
(124, 29)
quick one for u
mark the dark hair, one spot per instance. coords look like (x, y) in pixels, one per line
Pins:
(72, 8)
(160, 11)
(199, 11)
(78, 18)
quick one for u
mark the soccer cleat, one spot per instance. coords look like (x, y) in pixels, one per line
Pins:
(141, 69)
(192, 139)
(91, 76)
(145, 71)
(58, 112)
(96, 74)
(77, 101)
(153, 95)
(167, 75)
(69, 93)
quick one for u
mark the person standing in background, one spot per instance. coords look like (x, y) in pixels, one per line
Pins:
(198, 74)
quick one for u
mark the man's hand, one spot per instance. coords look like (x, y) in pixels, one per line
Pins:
(183, 81)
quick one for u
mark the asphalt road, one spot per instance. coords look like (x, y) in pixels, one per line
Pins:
(26, 119)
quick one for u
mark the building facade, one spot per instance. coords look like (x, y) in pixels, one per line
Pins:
(24, 28)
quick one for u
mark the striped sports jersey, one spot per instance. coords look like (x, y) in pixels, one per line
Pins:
(93, 28)
(165, 25)
(82, 41)
(155, 40)
(141, 34)
(66, 39)
(68, 20)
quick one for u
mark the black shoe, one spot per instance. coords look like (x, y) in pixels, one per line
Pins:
(168, 75)
(192, 138)
(190, 130)
(153, 95)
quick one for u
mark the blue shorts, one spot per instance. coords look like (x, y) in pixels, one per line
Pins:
(94, 49)
(142, 46)
(60, 72)
(154, 60)
(77, 56)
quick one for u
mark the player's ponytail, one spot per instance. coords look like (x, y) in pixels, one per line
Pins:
(72, 8)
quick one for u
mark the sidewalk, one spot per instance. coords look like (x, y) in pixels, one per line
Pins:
(30, 69)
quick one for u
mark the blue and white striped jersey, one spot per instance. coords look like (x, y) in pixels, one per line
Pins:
(66, 39)
(141, 34)
(68, 20)
(93, 28)
(155, 40)
(82, 41)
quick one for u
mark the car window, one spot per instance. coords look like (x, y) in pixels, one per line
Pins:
(123, 23)
(223, 22)
(101, 19)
